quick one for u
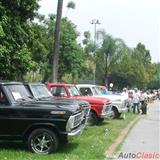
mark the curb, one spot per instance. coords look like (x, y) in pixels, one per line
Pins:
(110, 151)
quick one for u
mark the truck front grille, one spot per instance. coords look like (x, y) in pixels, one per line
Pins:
(86, 109)
(74, 121)
(78, 119)
(108, 107)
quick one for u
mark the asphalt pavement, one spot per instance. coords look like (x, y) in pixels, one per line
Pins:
(143, 141)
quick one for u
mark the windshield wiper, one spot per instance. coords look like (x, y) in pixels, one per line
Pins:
(31, 97)
(43, 98)
(20, 99)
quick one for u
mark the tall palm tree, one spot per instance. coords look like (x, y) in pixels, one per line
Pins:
(70, 5)
(57, 42)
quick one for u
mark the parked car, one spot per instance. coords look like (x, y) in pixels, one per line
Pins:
(100, 107)
(41, 125)
(118, 101)
(41, 93)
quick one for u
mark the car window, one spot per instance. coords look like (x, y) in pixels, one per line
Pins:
(96, 91)
(17, 92)
(3, 100)
(40, 91)
(86, 91)
(58, 91)
(73, 91)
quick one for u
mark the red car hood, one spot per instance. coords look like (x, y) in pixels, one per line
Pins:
(94, 100)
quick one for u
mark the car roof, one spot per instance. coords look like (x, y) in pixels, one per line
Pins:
(10, 82)
(60, 84)
(85, 85)
(33, 83)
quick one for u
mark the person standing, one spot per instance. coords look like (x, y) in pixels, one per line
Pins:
(127, 98)
(136, 100)
(143, 99)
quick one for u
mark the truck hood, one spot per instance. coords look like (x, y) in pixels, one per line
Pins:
(64, 101)
(93, 100)
(112, 97)
(52, 106)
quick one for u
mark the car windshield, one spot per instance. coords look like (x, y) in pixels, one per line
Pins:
(104, 91)
(96, 91)
(18, 92)
(73, 91)
(40, 91)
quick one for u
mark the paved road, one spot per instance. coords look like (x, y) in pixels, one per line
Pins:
(144, 139)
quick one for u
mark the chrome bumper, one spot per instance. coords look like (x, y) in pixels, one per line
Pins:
(107, 115)
(122, 110)
(77, 131)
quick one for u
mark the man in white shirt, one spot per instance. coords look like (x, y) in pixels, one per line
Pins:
(136, 100)
(128, 99)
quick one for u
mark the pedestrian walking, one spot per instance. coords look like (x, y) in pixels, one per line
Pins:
(125, 94)
(136, 97)
(144, 101)
(158, 94)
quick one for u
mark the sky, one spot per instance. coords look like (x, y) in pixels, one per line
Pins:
(133, 21)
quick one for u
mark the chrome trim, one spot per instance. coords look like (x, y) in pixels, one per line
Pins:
(77, 131)
(74, 121)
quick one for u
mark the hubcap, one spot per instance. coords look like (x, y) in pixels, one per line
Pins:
(41, 143)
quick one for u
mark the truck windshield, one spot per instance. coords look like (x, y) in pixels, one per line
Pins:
(73, 91)
(40, 91)
(17, 92)
(96, 91)
(104, 91)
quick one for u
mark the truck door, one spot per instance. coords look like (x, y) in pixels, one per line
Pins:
(4, 117)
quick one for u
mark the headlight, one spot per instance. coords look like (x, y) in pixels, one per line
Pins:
(58, 112)
(118, 100)
(70, 124)
(104, 109)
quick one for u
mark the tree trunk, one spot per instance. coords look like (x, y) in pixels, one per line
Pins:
(57, 42)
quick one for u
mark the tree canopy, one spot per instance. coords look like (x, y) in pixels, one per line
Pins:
(26, 47)
(15, 37)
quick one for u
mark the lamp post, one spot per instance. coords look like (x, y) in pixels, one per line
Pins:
(95, 22)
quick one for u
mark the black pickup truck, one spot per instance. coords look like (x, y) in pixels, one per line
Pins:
(41, 93)
(41, 125)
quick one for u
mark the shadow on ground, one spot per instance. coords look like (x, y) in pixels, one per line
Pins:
(13, 145)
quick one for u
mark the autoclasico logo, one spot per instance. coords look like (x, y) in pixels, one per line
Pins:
(139, 155)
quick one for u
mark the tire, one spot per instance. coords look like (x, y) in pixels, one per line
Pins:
(119, 114)
(100, 120)
(93, 119)
(43, 141)
(115, 113)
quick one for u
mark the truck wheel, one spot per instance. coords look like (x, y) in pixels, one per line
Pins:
(93, 119)
(100, 120)
(119, 114)
(115, 112)
(43, 141)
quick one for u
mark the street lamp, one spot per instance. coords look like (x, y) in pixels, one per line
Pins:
(95, 22)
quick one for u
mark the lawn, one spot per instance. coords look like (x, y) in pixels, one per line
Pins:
(91, 145)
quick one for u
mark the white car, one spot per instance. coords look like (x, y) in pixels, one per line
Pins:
(118, 101)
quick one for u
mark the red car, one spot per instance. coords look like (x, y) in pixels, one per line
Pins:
(100, 107)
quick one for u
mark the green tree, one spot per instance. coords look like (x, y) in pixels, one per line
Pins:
(155, 81)
(15, 55)
(71, 53)
(39, 46)
(70, 5)
(109, 54)
(143, 58)
(89, 52)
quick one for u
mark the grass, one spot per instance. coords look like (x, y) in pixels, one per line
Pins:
(91, 145)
